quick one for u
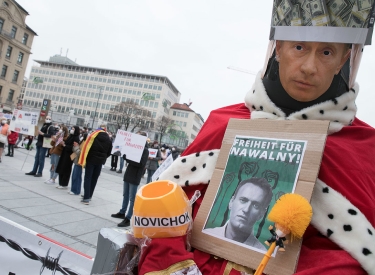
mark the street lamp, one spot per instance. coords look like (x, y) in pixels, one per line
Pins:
(96, 107)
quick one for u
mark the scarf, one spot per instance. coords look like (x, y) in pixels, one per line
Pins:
(87, 146)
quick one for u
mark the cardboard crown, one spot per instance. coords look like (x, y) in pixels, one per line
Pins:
(341, 21)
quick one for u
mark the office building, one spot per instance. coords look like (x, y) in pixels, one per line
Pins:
(79, 92)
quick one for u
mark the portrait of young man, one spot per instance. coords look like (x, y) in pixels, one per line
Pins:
(247, 206)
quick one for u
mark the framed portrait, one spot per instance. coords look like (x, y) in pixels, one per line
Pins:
(259, 161)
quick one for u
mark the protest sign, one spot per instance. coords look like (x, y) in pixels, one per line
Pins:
(152, 153)
(283, 155)
(7, 116)
(130, 144)
(162, 167)
(24, 122)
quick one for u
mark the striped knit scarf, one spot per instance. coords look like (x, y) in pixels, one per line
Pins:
(87, 146)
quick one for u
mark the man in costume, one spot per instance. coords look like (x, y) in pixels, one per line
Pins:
(248, 205)
(310, 72)
(95, 151)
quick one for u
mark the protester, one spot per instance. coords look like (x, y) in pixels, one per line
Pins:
(122, 162)
(84, 133)
(75, 188)
(163, 154)
(95, 151)
(20, 137)
(175, 152)
(302, 80)
(153, 163)
(132, 179)
(46, 131)
(64, 166)
(28, 140)
(4, 131)
(114, 160)
(56, 150)
(12, 139)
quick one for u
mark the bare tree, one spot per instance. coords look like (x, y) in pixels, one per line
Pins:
(162, 126)
(131, 115)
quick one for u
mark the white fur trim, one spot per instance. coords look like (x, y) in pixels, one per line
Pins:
(193, 169)
(337, 218)
(340, 111)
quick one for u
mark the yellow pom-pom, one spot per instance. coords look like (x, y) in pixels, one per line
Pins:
(293, 212)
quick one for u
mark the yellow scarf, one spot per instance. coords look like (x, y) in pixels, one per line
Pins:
(87, 146)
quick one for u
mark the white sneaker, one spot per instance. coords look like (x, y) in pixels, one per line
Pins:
(71, 193)
(46, 181)
(61, 187)
(50, 181)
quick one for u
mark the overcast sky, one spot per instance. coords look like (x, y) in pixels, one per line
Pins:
(190, 42)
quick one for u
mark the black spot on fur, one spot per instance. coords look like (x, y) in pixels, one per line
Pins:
(176, 176)
(187, 183)
(336, 121)
(253, 91)
(204, 165)
(253, 107)
(329, 232)
(334, 101)
(211, 154)
(193, 169)
(304, 116)
(197, 154)
(325, 190)
(330, 216)
(369, 231)
(183, 160)
(261, 107)
(208, 181)
(274, 113)
(347, 227)
(366, 252)
(352, 90)
(346, 107)
(322, 112)
(352, 212)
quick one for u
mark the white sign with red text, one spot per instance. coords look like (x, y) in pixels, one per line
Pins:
(152, 153)
(24, 122)
(130, 144)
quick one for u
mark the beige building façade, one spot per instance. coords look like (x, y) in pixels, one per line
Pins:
(16, 39)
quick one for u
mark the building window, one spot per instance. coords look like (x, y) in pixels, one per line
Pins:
(15, 76)
(20, 58)
(13, 32)
(24, 38)
(10, 95)
(4, 71)
(9, 52)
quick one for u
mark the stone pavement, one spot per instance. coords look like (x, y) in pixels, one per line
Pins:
(52, 212)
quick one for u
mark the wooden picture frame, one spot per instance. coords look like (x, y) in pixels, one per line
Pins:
(314, 133)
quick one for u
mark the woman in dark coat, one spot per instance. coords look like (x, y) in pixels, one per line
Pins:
(64, 167)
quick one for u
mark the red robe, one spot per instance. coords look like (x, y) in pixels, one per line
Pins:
(348, 166)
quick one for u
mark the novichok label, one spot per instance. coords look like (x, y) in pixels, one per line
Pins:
(161, 222)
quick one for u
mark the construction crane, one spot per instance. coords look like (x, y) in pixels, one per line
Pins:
(241, 70)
